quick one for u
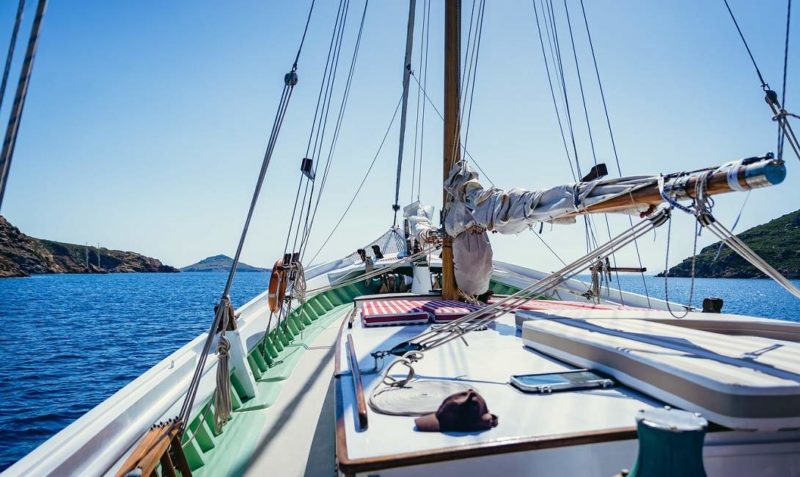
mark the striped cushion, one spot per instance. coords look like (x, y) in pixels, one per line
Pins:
(448, 310)
(393, 312)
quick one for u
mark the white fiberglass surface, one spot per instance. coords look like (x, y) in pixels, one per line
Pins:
(486, 364)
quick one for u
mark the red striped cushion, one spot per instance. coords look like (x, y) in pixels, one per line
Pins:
(393, 312)
(448, 310)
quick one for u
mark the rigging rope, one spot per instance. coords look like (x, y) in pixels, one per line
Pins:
(737, 245)
(361, 185)
(12, 45)
(412, 7)
(224, 308)
(337, 129)
(539, 236)
(611, 136)
(319, 136)
(15, 118)
(747, 46)
(472, 71)
(781, 133)
(320, 117)
(456, 329)
(419, 129)
(552, 92)
(778, 108)
(589, 128)
(439, 113)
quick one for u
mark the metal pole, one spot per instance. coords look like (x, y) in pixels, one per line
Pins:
(412, 8)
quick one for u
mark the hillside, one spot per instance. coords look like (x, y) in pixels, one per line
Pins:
(777, 241)
(22, 255)
(219, 263)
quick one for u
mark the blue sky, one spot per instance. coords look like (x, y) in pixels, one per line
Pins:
(146, 121)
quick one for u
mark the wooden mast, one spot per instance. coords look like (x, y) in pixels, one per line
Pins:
(452, 134)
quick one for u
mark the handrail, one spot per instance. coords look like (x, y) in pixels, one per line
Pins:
(361, 403)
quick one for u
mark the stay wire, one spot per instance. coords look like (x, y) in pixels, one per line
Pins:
(611, 136)
(299, 206)
(552, 92)
(746, 45)
(337, 129)
(290, 80)
(327, 87)
(589, 128)
(779, 112)
(474, 67)
(361, 185)
(12, 45)
(439, 113)
(303, 39)
(424, 103)
(781, 132)
(539, 236)
(18, 106)
(556, 46)
(416, 110)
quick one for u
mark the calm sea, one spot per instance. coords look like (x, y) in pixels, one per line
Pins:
(70, 341)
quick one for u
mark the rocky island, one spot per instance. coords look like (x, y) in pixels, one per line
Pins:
(22, 255)
(220, 263)
(777, 242)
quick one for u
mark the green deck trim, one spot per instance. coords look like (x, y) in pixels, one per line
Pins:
(272, 361)
(501, 288)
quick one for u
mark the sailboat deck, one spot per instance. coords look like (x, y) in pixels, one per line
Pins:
(526, 421)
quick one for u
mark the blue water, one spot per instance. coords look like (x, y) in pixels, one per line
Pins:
(70, 341)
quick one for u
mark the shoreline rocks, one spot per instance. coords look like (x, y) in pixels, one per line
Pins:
(22, 255)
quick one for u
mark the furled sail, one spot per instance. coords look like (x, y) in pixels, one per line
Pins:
(512, 211)
(475, 210)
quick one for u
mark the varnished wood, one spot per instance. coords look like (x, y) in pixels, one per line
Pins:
(452, 152)
(649, 195)
(180, 457)
(499, 446)
(361, 402)
(167, 469)
(337, 358)
(154, 449)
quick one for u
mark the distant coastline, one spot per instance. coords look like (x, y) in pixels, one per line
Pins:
(777, 242)
(22, 256)
(220, 263)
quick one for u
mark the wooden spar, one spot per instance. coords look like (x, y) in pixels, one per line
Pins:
(452, 98)
(762, 173)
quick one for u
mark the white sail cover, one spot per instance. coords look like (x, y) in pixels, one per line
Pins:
(475, 210)
(514, 210)
(420, 219)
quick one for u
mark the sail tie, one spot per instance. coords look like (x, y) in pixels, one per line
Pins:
(222, 395)
(701, 208)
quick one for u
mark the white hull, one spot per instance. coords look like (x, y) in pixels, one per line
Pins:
(99, 441)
